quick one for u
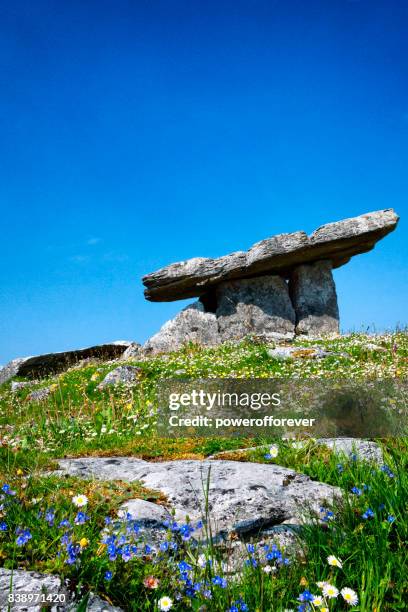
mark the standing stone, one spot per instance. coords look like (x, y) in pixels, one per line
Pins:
(314, 298)
(254, 306)
(192, 324)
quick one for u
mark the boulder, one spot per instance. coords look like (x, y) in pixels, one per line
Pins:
(192, 324)
(39, 395)
(133, 351)
(280, 254)
(52, 363)
(314, 299)
(123, 375)
(243, 497)
(283, 353)
(257, 306)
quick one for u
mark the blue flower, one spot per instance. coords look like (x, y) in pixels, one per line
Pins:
(306, 596)
(108, 575)
(49, 517)
(23, 535)
(268, 456)
(368, 514)
(218, 581)
(340, 468)
(387, 470)
(3, 526)
(81, 518)
(390, 518)
(184, 567)
(353, 457)
(7, 490)
(356, 491)
(381, 507)
(251, 548)
(164, 546)
(65, 523)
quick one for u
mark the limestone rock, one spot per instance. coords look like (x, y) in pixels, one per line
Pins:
(18, 385)
(363, 449)
(314, 299)
(243, 497)
(256, 306)
(39, 395)
(280, 254)
(29, 582)
(124, 375)
(192, 324)
(298, 352)
(132, 352)
(52, 363)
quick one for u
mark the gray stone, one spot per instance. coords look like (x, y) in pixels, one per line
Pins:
(35, 582)
(132, 352)
(192, 324)
(363, 449)
(52, 363)
(256, 306)
(29, 582)
(314, 299)
(17, 385)
(243, 497)
(299, 352)
(39, 395)
(122, 375)
(280, 254)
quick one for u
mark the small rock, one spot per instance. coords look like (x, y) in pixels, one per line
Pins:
(132, 352)
(363, 449)
(39, 395)
(293, 352)
(122, 375)
(30, 582)
(17, 385)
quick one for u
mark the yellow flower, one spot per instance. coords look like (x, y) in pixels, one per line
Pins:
(303, 581)
(83, 542)
(19, 472)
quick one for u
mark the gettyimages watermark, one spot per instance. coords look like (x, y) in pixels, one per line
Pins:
(325, 408)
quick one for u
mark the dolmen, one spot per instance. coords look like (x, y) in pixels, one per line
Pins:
(280, 287)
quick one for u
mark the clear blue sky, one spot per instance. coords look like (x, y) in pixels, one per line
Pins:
(138, 133)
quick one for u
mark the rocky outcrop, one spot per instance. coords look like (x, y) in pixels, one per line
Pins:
(243, 497)
(278, 255)
(259, 306)
(52, 363)
(314, 299)
(192, 324)
(123, 375)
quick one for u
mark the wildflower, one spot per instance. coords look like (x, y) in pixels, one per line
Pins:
(273, 451)
(150, 582)
(390, 518)
(3, 526)
(108, 575)
(317, 601)
(165, 603)
(23, 535)
(83, 542)
(251, 548)
(65, 523)
(387, 470)
(218, 581)
(184, 566)
(81, 518)
(349, 596)
(332, 560)
(356, 491)
(19, 472)
(306, 596)
(340, 468)
(49, 517)
(321, 584)
(202, 560)
(80, 500)
(368, 514)
(330, 591)
(7, 490)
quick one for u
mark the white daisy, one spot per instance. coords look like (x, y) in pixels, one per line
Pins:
(349, 596)
(165, 603)
(274, 451)
(80, 500)
(330, 591)
(332, 560)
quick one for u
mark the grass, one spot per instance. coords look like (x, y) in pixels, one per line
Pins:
(77, 419)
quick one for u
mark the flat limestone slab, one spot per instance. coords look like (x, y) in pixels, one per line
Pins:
(337, 242)
(243, 497)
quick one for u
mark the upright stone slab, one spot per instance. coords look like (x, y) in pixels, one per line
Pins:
(314, 299)
(259, 306)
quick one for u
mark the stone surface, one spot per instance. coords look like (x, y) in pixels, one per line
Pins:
(192, 324)
(122, 375)
(363, 449)
(39, 395)
(280, 254)
(298, 352)
(256, 306)
(314, 299)
(35, 582)
(18, 385)
(29, 582)
(52, 363)
(132, 352)
(243, 497)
